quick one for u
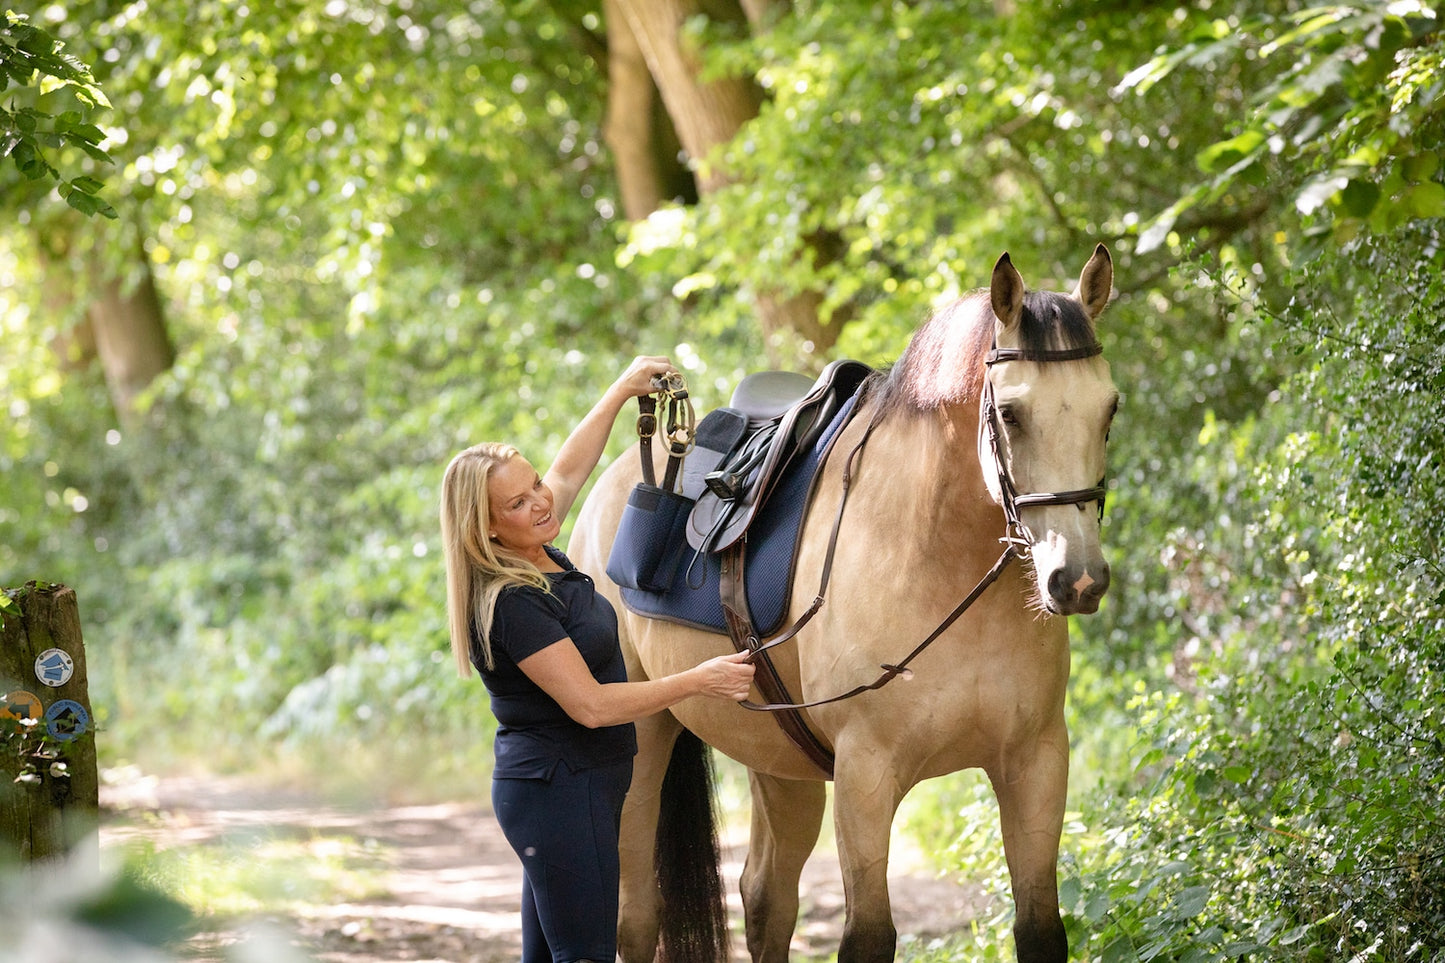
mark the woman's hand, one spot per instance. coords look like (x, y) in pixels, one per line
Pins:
(727, 676)
(583, 448)
(637, 379)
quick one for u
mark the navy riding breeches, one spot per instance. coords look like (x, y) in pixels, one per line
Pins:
(565, 830)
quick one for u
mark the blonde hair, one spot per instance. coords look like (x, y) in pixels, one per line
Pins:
(478, 569)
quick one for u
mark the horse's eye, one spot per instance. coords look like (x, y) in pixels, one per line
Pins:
(1008, 416)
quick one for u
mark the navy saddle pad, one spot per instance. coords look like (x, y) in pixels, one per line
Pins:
(693, 598)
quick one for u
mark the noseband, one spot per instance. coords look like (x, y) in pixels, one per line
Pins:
(1018, 533)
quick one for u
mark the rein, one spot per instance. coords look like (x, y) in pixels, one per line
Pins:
(1017, 539)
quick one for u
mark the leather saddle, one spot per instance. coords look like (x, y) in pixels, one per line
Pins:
(743, 449)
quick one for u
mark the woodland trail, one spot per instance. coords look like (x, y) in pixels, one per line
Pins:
(444, 884)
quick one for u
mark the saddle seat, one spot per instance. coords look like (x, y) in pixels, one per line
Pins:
(743, 449)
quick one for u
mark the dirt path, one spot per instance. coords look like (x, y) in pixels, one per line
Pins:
(449, 883)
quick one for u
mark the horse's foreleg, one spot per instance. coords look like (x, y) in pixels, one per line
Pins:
(1031, 798)
(639, 905)
(864, 803)
(787, 815)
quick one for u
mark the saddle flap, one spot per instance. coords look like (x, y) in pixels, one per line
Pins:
(714, 440)
(716, 521)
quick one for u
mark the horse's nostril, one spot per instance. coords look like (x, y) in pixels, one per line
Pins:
(1060, 588)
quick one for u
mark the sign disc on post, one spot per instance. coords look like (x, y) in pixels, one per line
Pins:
(67, 720)
(54, 667)
(21, 706)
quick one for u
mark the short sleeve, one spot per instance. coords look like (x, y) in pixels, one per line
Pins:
(526, 621)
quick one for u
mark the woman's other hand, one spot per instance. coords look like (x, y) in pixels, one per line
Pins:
(727, 676)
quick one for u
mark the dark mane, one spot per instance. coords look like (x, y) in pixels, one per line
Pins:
(944, 363)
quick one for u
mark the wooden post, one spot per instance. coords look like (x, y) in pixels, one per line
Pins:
(49, 783)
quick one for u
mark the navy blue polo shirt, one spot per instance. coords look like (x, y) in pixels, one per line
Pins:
(534, 733)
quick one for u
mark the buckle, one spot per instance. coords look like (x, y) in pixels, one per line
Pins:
(723, 484)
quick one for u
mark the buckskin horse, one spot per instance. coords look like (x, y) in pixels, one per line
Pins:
(983, 443)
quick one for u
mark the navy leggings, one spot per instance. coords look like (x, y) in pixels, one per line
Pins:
(565, 830)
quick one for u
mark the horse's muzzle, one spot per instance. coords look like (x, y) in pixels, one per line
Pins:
(1078, 590)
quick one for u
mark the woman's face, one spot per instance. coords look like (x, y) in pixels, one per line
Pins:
(521, 509)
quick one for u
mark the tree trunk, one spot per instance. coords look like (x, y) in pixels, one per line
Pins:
(630, 129)
(706, 116)
(130, 335)
(793, 330)
(49, 783)
(123, 325)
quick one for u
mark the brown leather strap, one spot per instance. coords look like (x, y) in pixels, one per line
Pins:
(646, 428)
(732, 587)
(892, 671)
(681, 426)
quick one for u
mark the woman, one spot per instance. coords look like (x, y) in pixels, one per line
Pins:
(547, 648)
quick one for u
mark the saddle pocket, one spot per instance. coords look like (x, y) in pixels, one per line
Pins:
(651, 539)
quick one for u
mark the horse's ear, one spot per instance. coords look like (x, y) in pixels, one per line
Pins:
(1006, 292)
(1096, 284)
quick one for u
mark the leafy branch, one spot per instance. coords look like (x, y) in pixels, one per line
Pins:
(8, 606)
(33, 60)
(1360, 79)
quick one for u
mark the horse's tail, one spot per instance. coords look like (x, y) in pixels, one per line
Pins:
(694, 925)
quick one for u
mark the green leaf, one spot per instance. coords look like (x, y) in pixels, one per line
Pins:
(1425, 200)
(89, 133)
(1420, 167)
(88, 204)
(95, 152)
(1121, 950)
(1359, 196)
(1191, 902)
(1227, 153)
(1291, 937)
(30, 161)
(1069, 892)
(8, 606)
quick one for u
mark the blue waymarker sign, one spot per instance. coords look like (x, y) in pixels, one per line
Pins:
(67, 720)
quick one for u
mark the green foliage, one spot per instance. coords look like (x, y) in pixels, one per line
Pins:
(1353, 86)
(385, 231)
(36, 73)
(115, 915)
(1280, 564)
(8, 607)
(256, 875)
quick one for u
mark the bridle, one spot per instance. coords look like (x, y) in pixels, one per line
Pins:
(1017, 540)
(1018, 533)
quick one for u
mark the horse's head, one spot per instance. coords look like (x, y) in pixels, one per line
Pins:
(1047, 404)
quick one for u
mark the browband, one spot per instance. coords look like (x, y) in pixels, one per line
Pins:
(1019, 354)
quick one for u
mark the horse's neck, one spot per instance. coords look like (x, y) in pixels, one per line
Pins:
(932, 457)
